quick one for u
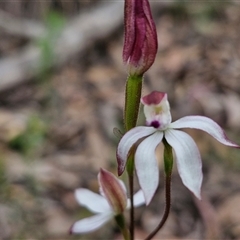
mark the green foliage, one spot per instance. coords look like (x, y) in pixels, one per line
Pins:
(31, 139)
(32, 185)
(178, 10)
(208, 11)
(4, 184)
(54, 23)
(197, 11)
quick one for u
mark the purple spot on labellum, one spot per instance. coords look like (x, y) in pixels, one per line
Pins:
(155, 124)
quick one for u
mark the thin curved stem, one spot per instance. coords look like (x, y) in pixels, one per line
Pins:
(131, 228)
(167, 207)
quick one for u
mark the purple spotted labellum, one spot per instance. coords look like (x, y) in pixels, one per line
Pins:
(140, 44)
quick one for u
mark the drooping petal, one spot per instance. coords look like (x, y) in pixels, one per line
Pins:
(188, 159)
(205, 124)
(90, 224)
(113, 191)
(126, 143)
(92, 201)
(146, 165)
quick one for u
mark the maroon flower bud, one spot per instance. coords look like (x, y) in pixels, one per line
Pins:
(140, 44)
(113, 190)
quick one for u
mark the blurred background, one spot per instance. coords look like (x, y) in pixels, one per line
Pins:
(62, 92)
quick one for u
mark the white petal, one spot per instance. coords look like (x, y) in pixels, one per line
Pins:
(205, 124)
(92, 223)
(138, 198)
(188, 158)
(127, 142)
(123, 185)
(92, 201)
(146, 165)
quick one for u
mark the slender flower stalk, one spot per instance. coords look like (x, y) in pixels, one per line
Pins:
(132, 102)
(159, 125)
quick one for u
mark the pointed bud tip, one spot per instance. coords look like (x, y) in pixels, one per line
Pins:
(113, 190)
(102, 171)
(140, 43)
(120, 172)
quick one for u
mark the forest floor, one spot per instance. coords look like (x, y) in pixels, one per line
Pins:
(56, 130)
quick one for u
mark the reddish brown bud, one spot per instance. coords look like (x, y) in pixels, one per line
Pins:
(140, 44)
(113, 190)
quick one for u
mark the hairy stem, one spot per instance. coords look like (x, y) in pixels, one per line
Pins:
(132, 101)
(130, 170)
(132, 208)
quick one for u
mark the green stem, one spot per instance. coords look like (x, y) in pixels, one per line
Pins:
(130, 170)
(168, 158)
(132, 100)
(132, 103)
(168, 163)
(121, 223)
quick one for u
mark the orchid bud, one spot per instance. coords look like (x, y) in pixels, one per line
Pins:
(113, 191)
(157, 110)
(140, 44)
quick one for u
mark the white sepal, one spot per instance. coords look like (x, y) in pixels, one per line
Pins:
(147, 166)
(188, 159)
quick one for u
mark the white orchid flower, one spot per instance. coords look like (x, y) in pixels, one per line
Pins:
(112, 202)
(159, 126)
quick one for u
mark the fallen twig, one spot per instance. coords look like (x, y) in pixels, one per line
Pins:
(75, 37)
